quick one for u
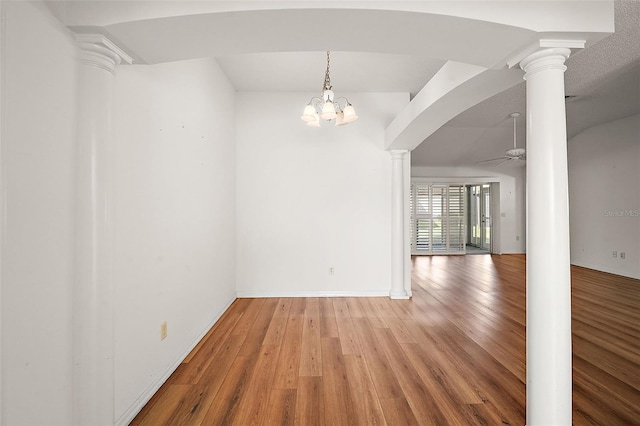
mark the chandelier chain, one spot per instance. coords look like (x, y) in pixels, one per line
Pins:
(327, 77)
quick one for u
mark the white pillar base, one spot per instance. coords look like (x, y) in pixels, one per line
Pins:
(398, 295)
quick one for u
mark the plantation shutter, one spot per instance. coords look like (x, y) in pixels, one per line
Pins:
(439, 221)
(455, 216)
(411, 215)
(423, 216)
(437, 218)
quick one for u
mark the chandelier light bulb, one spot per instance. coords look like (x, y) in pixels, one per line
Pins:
(328, 111)
(350, 114)
(309, 114)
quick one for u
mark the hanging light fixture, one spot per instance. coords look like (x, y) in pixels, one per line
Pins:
(328, 107)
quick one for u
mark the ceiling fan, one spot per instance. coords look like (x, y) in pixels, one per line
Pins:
(513, 153)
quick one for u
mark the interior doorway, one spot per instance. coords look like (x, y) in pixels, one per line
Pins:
(479, 236)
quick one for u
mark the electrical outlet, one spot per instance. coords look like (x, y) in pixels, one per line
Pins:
(622, 255)
(163, 330)
(615, 254)
(332, 270)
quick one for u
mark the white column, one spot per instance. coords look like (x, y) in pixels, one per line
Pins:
(548, 261)
(93, 374)
(407, 224)
(397, 226)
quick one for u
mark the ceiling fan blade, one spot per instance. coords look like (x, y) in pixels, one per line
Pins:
(496, 165)
(493, 159)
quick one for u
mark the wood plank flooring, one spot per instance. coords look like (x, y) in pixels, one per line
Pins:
(452, 355)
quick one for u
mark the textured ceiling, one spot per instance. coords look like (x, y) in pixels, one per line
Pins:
(605, 78)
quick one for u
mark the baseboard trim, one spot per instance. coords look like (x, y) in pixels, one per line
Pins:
(607, 270)
(142, 400)
(255, 294)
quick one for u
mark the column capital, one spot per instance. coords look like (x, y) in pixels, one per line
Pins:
(398, 154)
(546, 59)
(98, 51)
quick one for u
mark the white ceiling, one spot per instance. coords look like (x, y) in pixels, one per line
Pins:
(302, 27)
(382, 46)
(350, 71)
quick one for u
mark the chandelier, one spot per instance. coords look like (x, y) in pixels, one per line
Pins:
(326, 107)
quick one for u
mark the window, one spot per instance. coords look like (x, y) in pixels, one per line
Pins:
(437, 218)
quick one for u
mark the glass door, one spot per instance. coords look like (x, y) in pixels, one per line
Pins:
(485, 209)
(479, 217)
(474, 216)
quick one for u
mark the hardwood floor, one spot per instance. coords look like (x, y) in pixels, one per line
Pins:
(453, 355)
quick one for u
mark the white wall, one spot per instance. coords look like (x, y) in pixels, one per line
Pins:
(175, 218)
(313, 198)
(38, 119)
(512, 217)
(604, 197)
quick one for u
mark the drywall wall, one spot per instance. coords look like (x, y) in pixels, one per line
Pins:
(311, 199)
(604, 199)
(512, 218)
(39, 67)
(174, 220)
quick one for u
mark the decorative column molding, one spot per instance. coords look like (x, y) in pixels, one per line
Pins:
(546, 60)
(93, 291)
(98, 51)
(398, 242)
(549, 385)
